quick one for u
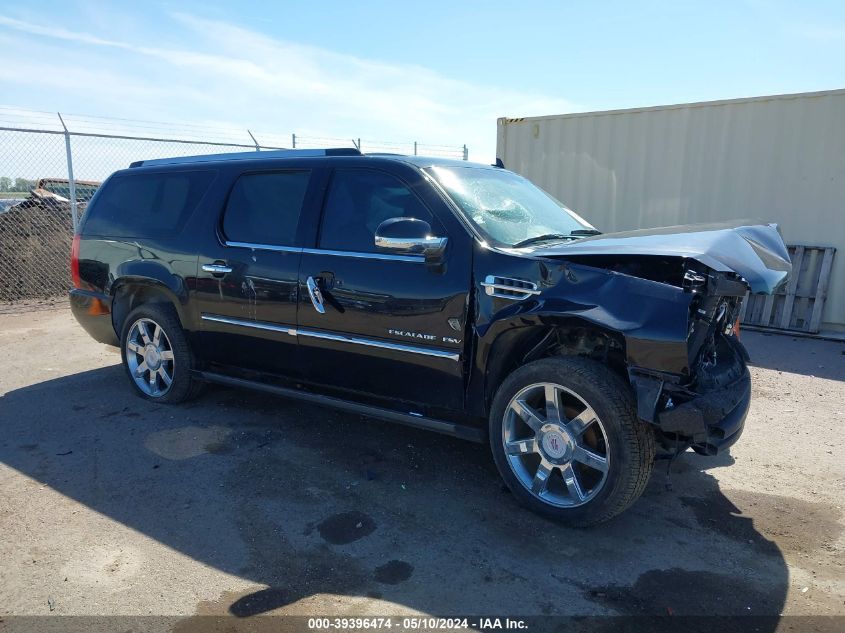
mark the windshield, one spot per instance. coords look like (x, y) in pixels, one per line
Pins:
(506, 208)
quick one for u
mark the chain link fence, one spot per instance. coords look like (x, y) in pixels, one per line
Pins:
(51, 165)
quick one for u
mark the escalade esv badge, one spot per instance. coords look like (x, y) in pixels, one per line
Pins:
(582, 355)
(425, 337)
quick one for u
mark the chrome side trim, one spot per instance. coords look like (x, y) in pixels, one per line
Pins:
(265, 247)
(331, 336)
(508, 288)
(399, 347)
(414, 259)
(259, 325)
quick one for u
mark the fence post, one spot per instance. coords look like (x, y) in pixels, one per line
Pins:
(70, 178)
(293, 141)
(466, 152)
(257, 146)
(415, 148)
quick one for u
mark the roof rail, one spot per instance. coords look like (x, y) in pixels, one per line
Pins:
(256, 155)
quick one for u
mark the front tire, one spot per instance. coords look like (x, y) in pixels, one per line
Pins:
(567, 441)
(156, 355)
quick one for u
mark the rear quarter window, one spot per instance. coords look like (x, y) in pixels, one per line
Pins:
(146, 205)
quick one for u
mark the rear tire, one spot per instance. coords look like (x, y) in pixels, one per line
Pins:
(567, 441)
(156, 355)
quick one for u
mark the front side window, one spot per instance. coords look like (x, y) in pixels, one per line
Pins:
(506, 208)
(359, 200)
(265, 208)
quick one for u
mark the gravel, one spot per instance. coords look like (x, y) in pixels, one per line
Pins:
(241, 503)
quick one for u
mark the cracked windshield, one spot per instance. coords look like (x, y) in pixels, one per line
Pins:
(507, 209)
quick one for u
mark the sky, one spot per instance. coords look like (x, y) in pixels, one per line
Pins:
(436, 72)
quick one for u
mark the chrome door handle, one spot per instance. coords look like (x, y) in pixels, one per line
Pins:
(217, 269)
(316, 295)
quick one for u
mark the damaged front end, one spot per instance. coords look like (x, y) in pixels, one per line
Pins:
(706, 408)
(693, 385)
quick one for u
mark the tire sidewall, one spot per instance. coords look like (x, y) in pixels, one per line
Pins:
(564, 372)
(163, 316)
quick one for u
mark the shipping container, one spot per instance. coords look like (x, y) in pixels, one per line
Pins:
(777, 158)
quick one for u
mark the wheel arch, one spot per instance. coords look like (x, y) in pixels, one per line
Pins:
(564, 336)
(130, 292)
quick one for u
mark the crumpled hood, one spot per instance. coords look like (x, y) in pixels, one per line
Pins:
(750, 248)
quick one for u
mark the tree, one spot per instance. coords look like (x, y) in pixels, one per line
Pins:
(22, 184)
(5, 183)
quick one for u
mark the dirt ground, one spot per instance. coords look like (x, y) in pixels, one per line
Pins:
(241, 503)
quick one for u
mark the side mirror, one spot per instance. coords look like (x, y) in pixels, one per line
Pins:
(409, 236)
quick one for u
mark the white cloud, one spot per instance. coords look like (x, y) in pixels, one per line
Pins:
(238, 77)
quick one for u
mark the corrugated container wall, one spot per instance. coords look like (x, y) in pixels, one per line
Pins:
(780, 159)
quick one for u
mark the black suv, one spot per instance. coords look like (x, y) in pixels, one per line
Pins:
(442, 294)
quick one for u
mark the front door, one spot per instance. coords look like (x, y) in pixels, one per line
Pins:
(247, 282)
(388, 325)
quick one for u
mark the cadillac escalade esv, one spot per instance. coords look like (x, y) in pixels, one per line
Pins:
(442, 294)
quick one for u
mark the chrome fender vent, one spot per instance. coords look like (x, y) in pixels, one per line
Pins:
(508, 288)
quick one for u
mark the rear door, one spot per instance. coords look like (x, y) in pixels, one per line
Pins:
(247, 282)
(392, 326)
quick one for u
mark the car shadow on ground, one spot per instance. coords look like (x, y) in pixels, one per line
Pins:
(301, 500)
(796, 355)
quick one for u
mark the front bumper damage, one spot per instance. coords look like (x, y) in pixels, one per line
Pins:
(708, 415)
(713, 421)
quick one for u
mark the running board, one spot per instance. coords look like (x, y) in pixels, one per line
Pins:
(461, 431)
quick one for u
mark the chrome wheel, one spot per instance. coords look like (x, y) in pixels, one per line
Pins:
(556, 445)
(149, 357)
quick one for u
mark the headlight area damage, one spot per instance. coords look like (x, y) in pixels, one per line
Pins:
(705, 405)
(674, 295)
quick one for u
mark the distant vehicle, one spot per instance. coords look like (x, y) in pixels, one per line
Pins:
(35, 228)
(450, 296)
(7, 203)
(60, 188)
(32, 231)
(53, 191)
